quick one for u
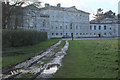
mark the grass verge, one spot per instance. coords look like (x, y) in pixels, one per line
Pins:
(27, 75)
(20, 54)
(90, 59)
(60, 46)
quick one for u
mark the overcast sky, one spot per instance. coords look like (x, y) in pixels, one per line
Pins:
(90, 6)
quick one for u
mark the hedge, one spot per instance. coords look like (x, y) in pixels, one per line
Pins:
(19, 38)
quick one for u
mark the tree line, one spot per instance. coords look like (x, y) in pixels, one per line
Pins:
(101, 15)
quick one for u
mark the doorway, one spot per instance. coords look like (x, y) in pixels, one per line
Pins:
(72, 36)
(99, 35)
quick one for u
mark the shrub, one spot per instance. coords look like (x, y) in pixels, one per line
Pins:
(19, 38)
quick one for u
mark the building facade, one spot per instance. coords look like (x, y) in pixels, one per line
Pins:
(60, 22)
(107, 27)
(66, 21)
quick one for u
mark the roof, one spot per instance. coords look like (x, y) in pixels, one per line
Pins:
(63, 8)
(54, 7)
(105, 20)
(109, 19)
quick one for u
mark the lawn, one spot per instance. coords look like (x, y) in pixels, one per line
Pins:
(90, 59)
(14, 55)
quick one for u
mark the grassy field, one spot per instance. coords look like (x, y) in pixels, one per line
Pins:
(90, 59)
(14, 55)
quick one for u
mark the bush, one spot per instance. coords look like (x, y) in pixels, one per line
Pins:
(19, 38)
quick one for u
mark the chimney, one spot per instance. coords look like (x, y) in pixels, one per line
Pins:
(7, 3)
(3, 4)
(46, 5)
(58, 5)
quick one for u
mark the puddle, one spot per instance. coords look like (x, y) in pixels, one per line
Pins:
(50, 70)
(28, 65)
(40, 65)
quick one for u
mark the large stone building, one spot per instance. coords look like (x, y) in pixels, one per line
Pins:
(56, 20)
(61, 21)
(66, 21)
(104, 28)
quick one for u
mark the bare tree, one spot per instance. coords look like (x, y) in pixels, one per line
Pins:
(9, 9)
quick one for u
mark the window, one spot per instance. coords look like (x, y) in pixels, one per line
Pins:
(99, 27)
(104, 27)
(90, 27)
(94, 27)
(60, 27)
(86, 33)
(76, 27)
(90, 33)
(110, 33)
(56, 33)
(110, 28)
(104, 33)
(66, 33)
(66, 26)
(52, 33)
(56, 27)
(80, 33)
(44, 23)
(52, 27)
(76, 33)
(71, 26)
(60, 33)
(94, 34)
(83, 33)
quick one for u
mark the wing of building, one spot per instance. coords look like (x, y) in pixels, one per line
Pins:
(60, 22)
(107, 27)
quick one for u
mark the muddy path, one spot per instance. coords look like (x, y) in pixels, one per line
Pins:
(40, 66)
(51, 67)
(29, 62)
